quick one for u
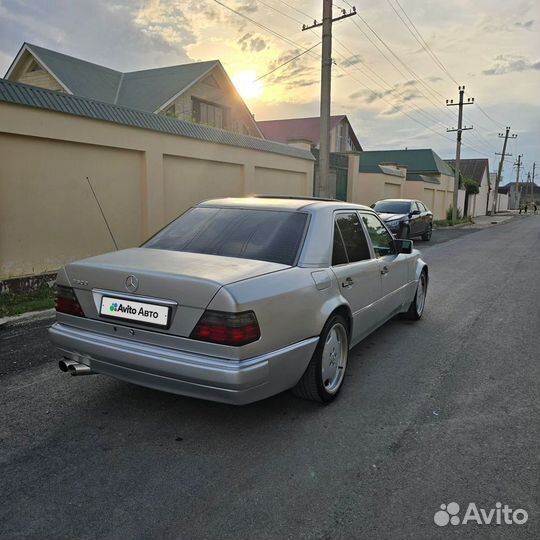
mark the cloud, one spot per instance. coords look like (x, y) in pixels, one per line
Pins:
(507, 63)
(527, 25)
(351, 60)
(295, 74)
(250, 42)
(165, 19)
(118, 34)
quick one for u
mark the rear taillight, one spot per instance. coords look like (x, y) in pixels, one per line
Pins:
(234, 329)
(66, 301)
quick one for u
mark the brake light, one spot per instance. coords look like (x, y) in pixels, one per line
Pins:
(235, 329)
(66, 301)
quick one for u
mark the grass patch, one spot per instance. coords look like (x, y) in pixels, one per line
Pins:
(17, 303)
(440, 223)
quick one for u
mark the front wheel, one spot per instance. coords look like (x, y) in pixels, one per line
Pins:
(324, 375)
(416, 309)
(427, 235)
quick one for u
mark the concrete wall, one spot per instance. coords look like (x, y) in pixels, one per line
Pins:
(143, 179)
(367, 188)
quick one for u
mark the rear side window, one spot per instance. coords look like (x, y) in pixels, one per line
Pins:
(339, 255)
(353, 236)
(263, 235)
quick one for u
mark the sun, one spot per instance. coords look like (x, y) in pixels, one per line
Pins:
(247, 84)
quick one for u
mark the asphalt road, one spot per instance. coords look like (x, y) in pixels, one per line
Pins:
(439, 411)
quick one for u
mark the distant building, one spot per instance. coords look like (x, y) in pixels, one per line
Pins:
(200, 92)
(308, 130)
(520, 194)
(406, 174)
(478, 171)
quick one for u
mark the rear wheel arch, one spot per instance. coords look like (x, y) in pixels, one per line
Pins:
(345, 311)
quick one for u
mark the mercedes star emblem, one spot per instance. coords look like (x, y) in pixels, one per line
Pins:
(132, 283)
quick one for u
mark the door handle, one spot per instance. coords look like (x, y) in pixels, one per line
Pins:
(384, 270)
(347, 283)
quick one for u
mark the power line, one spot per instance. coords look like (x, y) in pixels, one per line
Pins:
(386, 46)
(287, 62)
(424, 113)
(293, 43)
(429, 116)
(421, 40)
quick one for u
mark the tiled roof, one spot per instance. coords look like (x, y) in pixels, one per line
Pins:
(472, 168)
(32, 96)
(300, 128)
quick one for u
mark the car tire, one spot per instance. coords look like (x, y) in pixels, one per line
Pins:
(325, 373)
(405, 232)
(416, 309)
(427, 235)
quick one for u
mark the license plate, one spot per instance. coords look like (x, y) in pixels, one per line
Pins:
(142, 312)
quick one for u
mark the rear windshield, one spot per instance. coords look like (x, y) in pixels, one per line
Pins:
(264, 235)
(392, 207)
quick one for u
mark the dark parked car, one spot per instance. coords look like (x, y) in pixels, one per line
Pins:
(406, 218)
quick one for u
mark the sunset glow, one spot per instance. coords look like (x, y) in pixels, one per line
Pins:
(247, 84)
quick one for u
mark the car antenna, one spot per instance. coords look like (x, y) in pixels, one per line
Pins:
(102, 213)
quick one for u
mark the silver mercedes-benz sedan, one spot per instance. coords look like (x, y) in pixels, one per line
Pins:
(239, 299)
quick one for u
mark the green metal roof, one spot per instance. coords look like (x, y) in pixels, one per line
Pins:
(150, 89)
(32, 96)
(146, 90)
(422, 161)
(415, 177)
(82, 78)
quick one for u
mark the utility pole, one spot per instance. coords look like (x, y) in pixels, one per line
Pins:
(518, 165)
(322, 188)
(503, 154)
(460, 129)
(533, 185)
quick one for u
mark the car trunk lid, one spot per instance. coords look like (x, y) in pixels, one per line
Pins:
(187, 280)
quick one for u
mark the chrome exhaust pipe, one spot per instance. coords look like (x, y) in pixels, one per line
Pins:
(80, 369)
(64, 364)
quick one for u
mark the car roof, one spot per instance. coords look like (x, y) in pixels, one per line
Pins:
(397, 200)
(282, 203)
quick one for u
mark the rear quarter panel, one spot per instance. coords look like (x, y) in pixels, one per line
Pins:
(289, 305)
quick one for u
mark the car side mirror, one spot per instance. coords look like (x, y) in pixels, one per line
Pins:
(403, 245)
(414, 213)
(372, 205)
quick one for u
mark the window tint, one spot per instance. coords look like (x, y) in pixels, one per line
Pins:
(392, 207)
(382, 240)
(339, 255)
(235, 232)
(353, 236)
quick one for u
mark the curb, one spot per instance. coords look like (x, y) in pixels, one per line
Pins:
(6, 322)
(459, 226)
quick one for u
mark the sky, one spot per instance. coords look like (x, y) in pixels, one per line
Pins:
(395, 62)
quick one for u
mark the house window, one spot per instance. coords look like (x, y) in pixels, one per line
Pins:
(210, 114)
(341, 138)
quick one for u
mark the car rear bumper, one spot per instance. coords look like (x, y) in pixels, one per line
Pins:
(170, 370)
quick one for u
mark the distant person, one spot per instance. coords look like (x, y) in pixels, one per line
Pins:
(525, 208)
(534, 206)
(520, 208)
